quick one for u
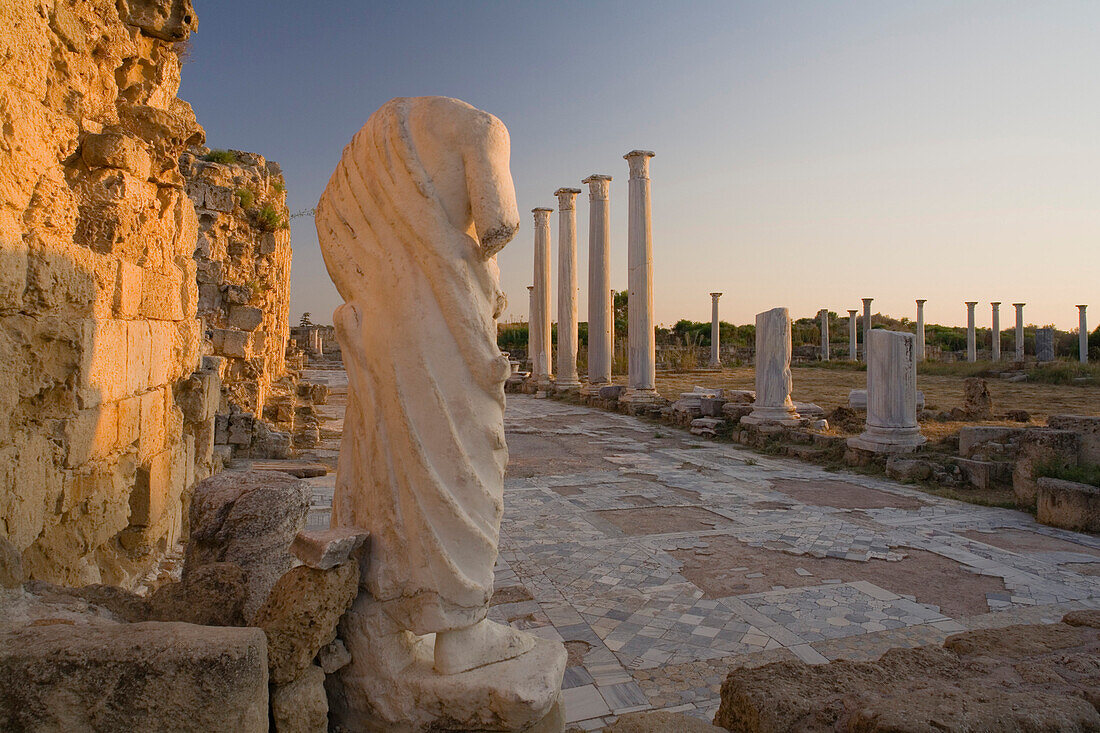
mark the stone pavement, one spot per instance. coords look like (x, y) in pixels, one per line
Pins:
(662, 560)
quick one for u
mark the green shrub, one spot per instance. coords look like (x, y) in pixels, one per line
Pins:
(1064, 372)
(245, 196)
(278, 186)
(1087, 473)
(220, 156)
(268, 219)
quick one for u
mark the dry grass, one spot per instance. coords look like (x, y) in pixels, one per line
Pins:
(829, 388)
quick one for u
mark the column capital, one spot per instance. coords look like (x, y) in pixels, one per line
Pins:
(995, 303)
(639, 162)
(716, 296)
(867, 301)
(566, 198)
(1019, 305)
(530, 287)
(970, 303)
(852, 312)
(922, 301)
(542, 215)
(1082, 307)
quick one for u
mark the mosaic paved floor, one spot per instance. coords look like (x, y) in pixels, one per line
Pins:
(662, 561)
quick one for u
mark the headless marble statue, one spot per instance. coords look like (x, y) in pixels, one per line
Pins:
(409, 225)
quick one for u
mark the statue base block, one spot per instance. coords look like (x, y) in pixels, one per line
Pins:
(391, 684)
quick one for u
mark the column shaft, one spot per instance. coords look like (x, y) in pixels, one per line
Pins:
(542, 369)
(715, 332)
(601, 321)
(866, 326)
(853, 336)
(996, 339)
(919, 348)
(567, 288)
(971, 336)
(1083, 336)
(643, 357)
(1019, 330)
(823, 314)
(891, 396)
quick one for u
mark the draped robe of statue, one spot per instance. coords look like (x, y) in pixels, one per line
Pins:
(423, 454)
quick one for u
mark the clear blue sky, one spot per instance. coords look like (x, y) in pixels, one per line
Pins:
(808, 153)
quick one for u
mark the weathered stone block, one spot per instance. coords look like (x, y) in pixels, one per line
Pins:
(245, 317)
(103, 349)
(168, 20)
(133, 677)
(162, 356)
(232, 343)
(91, 434)
(1040, 446)
(221, 429)
(327, 548)
(128, 296)
(150, 494)
(1068, 504)
(116, 150)
(301, 613)
(249, 518)
(129, 420)
(301, 706)
(972, 437)
(985, 474)
(137, 357)
(153, 436)
(161, 295)
(238, 294)
(240, 429)
(212, 595)
(1087, 428)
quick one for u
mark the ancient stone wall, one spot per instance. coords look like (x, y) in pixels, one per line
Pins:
(243, 256)
(98, 334)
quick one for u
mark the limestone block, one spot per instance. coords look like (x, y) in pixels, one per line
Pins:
(210, 297)
(250, 518)
(301, 706)
(973, 437)
(133, 677)
(218, 198)
(129, 420)
(238, 294)
(1068, 504)
(162, 354)
(162, 295)
(977, 403)
(153, 435)
(91, 434)
(659, 721)
(327, 548)
(985, 474)
(198, 396)
(267, 243)
(245, 317)
(138, 345)
(152, 490)
(116, 150)
(301, 613)
(1040, 446)
(1087, 428)
(168, 20)
(232, 343)
(240, 429)
(221, 430)
(212, 595)
(128, 296)
(103, 352)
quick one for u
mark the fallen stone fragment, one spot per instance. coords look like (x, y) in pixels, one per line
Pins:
(301, 706)
(301, 614)
(212, 595)
(148, 676)
(333, 656)
(324, 549)
(249, 518)
(1068, 504)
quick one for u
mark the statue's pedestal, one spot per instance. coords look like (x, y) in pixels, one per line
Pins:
(391, 685)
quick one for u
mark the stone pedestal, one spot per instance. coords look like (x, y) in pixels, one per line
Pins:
(567, 289)
(715, 332)
(1019, 330)
(540, 317)
(823, 314)
(891, 396)
(996, 339)
(773, 404)
(866, 327)
(1083, 336)
(601, 321)
(642, 365)
(1044, 344)
(853, 336)
(919, 348)
(971, 335)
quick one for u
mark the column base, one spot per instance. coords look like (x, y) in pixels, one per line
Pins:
(639, 397)
(787, 416)
(561, 386)
(888, 440)
(592, 389)
(714, 364)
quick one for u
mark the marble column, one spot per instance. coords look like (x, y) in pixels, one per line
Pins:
(541, 316)
(919, 341)
(996, 340)
(971, 336)
(601, 319)
(823, 314)
(715, 332)
(567, 289)
(642, 365)
(773, 405)
(1083, 337)
(532, 333)
(891, 396)
(1019, 330)
(866, 325)
(853, 335)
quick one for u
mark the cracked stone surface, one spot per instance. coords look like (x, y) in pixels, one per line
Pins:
(613, 523)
